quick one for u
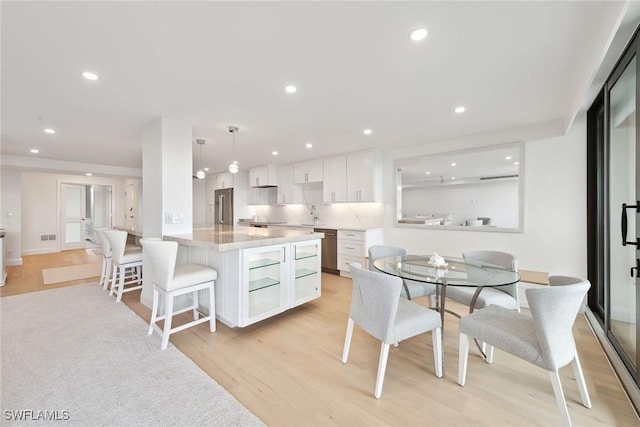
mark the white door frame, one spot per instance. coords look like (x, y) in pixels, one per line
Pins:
(61, 206)
(77, 220)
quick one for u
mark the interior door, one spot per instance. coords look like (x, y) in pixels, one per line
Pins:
(624, 215)
(73, 216)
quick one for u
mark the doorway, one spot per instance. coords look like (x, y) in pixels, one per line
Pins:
(84, 207)
(613, 202)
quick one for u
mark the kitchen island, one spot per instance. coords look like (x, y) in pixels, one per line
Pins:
(261, 272)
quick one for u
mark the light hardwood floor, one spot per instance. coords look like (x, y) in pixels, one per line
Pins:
(287, 370)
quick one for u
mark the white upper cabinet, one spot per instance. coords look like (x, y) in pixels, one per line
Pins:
(334, 184)
(363, 177)
(307, 172)
(224, 180)
(263, 176)
(288, 193)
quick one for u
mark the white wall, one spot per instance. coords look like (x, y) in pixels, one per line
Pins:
(40, 207)
(125, 219)
(10, 215)
(555, 231)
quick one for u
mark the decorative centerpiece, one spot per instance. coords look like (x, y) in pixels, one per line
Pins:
(437, 261)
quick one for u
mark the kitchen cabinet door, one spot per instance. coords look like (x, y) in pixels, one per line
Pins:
(334, 185)
(305, 272)
(263, 176)
(361, 177)
(224, 180)
(288, 193)
(265, 282)
(307, 172)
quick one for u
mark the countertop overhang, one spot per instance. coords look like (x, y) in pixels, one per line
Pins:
(227, 238)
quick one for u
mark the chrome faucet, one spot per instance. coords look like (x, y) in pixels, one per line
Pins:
(314, 213)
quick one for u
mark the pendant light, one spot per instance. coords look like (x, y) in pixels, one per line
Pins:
(200, 174)
(233, 166)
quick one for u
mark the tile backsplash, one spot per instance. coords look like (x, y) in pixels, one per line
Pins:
(335, 215)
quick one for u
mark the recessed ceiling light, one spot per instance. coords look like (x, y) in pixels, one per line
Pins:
(428, 173)
(291, 89)
(88, 174)
(275, 153)
(453, 177)
(309, 145)
(419, 34)
(89, 75)
(50, 131)
(34, 150)
(206, 169)
(516, 163)
(367, 132)
(507, 158)
(453, 164)
(459, 110)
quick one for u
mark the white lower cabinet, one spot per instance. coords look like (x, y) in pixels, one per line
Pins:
(305, 270)
(257, 283)
(264, 283)
(353, 246)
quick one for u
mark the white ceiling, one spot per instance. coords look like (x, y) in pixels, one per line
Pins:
(514, 65)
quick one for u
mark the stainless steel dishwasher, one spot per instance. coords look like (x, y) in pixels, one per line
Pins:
(329, 250)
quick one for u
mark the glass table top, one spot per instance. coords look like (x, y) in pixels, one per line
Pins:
(457, 272)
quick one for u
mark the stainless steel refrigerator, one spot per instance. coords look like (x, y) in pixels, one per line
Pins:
(224, 206)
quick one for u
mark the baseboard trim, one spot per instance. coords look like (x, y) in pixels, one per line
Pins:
(40, 251)
(13, 262)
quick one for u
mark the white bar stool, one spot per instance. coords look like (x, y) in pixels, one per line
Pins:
(106, 258)
(107, 262)
(173, 280)
(123, 260)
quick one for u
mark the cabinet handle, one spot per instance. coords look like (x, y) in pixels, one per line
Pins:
(284, 255)
(306, 177)
(348, 247)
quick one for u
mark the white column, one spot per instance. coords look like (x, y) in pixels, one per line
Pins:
(167, 183)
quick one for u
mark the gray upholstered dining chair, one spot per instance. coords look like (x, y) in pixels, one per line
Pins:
(504, 296)
(544, 338)
(377, 308)
(415, 289)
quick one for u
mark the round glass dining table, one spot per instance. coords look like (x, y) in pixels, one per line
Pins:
(456, 272)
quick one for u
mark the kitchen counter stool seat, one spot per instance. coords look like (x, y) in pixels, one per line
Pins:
(123, 260)
(107, 262)
(172, 280)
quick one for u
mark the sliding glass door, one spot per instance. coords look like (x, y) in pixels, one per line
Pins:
(624, 208)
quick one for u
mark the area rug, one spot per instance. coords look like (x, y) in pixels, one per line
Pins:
(73, 356)
(71, 272)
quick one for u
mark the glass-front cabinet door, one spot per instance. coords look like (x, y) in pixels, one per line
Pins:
(305, 267)
(623, 212)
(265, 272)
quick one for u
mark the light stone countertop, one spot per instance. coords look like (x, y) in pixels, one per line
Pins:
(228, 238)
(131, 230)
(327, 226)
